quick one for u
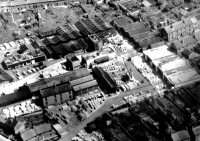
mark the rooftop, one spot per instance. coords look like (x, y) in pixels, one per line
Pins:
(81, 80)
(159, 52)
(133, 26)
(85, 85)
(33, 87)
(122, 21)
(138, 31)
(28, 134)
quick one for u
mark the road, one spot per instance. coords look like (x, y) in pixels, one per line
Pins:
(105, 108)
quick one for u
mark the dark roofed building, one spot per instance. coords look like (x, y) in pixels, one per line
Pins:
(57, 94)
(142, 36)
(81, 80)
(82, 27)
(133, 26)
(120, 22)
(85, 88)
(146, 43)
(155, 45)
(72, 62)
(106, 83)
(138, 31)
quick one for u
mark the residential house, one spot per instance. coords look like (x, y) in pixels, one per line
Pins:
(187, 42)
(179, 29)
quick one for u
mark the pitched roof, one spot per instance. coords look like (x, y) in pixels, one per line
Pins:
(133, 26)
(184, 42)
(122, 21)
(85, 85)
(174, 27)
(54, 90)
(81, 80)
(138, 31)
(56, 80)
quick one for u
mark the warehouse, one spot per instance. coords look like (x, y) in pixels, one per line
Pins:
(173, 69)
(106, 83)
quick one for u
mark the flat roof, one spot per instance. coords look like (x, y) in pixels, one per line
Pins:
(159, 52)
(85, 85)
(170, 63)
(184, 77)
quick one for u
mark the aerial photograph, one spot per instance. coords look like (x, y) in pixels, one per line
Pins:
(99, 70)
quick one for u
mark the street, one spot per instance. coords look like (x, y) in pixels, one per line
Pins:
(105, 108)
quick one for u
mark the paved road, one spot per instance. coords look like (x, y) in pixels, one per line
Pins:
(106, 107)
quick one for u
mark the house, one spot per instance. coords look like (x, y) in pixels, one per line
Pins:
(72, 62)
(179, 29)
(187, 42)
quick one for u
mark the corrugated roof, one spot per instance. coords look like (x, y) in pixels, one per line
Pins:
(81, 80)
(85, 85)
